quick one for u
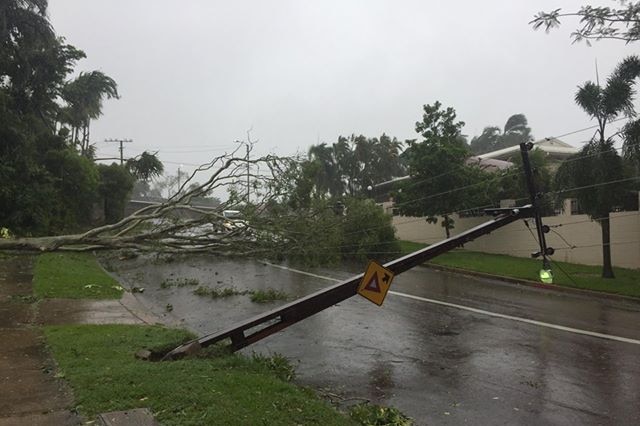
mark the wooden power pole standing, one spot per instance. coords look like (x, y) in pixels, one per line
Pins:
(121, 142)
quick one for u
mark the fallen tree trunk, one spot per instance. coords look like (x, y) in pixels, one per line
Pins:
(164, 227)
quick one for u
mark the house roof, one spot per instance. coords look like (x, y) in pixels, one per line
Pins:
(497, 160)
(489, 164)
(552, 146)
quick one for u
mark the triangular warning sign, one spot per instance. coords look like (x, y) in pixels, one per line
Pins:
(373, 285)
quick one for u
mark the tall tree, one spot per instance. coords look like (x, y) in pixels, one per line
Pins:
(33, 61)
(597, 22)
(84, 96)
(598, 162)
(328, 177)
(438, 170)
(46, 186)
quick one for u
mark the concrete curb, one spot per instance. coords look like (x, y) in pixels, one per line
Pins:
(129, 301)
(535, 284)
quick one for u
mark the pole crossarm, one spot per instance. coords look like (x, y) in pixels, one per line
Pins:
(252, 330)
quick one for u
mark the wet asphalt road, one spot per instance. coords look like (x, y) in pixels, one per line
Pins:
(438, 364)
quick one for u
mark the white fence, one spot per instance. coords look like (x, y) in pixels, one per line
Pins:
(575, 238)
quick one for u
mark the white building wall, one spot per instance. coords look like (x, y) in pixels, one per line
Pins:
(583, 237)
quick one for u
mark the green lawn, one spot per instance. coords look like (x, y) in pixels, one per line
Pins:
(73, 275)
(99, 363)
(627, 281)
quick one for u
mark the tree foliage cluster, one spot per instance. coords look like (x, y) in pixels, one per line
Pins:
(322, 228)
(516, 131)
(352, 164)
(50, 182)
(324, 233)
(328, 193)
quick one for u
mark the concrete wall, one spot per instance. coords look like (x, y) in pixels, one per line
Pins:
(515, 240)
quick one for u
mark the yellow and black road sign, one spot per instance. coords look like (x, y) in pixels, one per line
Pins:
(375, 283)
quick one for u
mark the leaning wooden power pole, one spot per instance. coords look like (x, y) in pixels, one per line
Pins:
(121, 142)
(245, 333)
(545, 273)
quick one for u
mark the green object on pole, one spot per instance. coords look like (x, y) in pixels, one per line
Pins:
(546, 276)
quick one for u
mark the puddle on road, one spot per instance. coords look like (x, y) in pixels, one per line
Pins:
(179, 291)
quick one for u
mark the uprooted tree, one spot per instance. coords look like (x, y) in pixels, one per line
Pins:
(271, 225)
(177, 224)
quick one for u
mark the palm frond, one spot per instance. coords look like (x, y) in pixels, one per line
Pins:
(628, 69)
(589, 98)
(617, 97)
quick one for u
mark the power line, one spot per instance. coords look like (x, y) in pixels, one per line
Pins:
(585, 129)
(595, 185)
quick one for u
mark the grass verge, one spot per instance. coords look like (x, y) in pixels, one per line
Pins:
(74, 276)
(98, 361)
(627, 281)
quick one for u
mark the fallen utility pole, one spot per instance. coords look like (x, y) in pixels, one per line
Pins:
(257, 328)
(263, 325)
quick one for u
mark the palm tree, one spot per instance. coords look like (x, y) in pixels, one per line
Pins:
(388, 159)
(598, 162)
(84, 96)
(146, 166)
(516, 131)
(327, 175)
(345, 162)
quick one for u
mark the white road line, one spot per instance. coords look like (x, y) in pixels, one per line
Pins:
(480, 311)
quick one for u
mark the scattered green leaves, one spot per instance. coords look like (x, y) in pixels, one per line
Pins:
(368, 414)
(179, 282)
(268, 295)
(219, 292)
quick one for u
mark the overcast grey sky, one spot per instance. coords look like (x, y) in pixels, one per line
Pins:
(195, 75)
